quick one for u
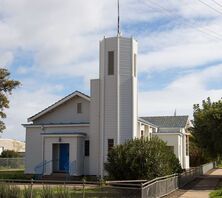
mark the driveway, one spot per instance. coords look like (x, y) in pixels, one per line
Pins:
(201, 187)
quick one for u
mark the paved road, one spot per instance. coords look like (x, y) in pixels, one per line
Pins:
(202, 186)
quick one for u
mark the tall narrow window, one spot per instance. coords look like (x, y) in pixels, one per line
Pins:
(111, 63)
(87, 148)
(79, 107)
(134, 64)
(110, 144)
(142, 134)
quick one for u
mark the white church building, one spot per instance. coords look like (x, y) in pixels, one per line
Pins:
(74, 135)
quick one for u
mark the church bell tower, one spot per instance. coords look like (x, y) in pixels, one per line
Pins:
(118, 91)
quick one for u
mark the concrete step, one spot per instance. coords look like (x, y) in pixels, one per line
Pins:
(57, 176)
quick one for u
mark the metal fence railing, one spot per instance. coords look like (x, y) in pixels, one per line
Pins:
(189, 175)
(163, 186)
(12, 163)
(160, 186)
(155, 188)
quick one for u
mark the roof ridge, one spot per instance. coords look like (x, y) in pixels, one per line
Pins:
(57, 103)
(165, 116)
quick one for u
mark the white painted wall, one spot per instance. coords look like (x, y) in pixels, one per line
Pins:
(35, 143)
(66, 113)
(33, 154)
(127, 90)
(118, 93)
(172, 140)
(94, 135)
(76, 155)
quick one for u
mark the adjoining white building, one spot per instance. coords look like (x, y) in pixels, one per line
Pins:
(75, 134)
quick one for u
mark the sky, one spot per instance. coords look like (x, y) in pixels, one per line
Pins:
(52, 48)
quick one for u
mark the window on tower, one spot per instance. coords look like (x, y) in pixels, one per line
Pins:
(134, 65)
(111, 63)
(86, 147)
(110, 144)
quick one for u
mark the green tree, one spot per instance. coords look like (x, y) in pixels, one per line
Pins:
(6, 87)
(141, 159)
(207, 127)
(9, 154)
(196, 153)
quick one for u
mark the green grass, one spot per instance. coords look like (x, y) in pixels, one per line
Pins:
(216, 194)
(12, 191)
(13, 174)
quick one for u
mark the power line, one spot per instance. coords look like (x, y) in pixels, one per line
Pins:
(211, 7)
(217, 3)
(189, 22)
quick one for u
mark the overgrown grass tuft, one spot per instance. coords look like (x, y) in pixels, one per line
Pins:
(216, 194)
(9, 191)
(12, 191)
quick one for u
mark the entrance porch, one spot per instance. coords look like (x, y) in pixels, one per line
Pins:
(63, 153)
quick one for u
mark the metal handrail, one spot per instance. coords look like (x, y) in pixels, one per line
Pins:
(42, 167)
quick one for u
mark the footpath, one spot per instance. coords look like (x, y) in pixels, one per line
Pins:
(201, 187)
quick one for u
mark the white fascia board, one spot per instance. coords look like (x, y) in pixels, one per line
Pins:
(167, 133)
(63, 135)
(54, 125)
(58, 103)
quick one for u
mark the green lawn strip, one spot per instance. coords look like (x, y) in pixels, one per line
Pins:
(216, 193)
(14, 174)
(60, 191)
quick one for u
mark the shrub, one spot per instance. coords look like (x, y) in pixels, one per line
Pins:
(9, 154)
(142, 159)
(216, 193)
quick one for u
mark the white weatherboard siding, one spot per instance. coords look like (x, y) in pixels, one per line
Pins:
(127, 90)
(108, 99)
(66, 113)
(33, 154)
(35, 142)
(110, 113)
(94, 135)
(118, 93)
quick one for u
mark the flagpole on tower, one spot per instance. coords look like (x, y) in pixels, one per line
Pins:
(118, 31)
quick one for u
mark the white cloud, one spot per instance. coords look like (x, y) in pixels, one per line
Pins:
(63, 38)
(24, 104)
(181, 94)
(6, 59)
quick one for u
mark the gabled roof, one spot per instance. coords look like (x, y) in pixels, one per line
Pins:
(168, 121)
(58, 103)
(146, 122)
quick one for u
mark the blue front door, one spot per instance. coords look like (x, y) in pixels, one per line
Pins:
(64, 157)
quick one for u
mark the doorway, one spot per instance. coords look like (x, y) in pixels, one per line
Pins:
(60, 157)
